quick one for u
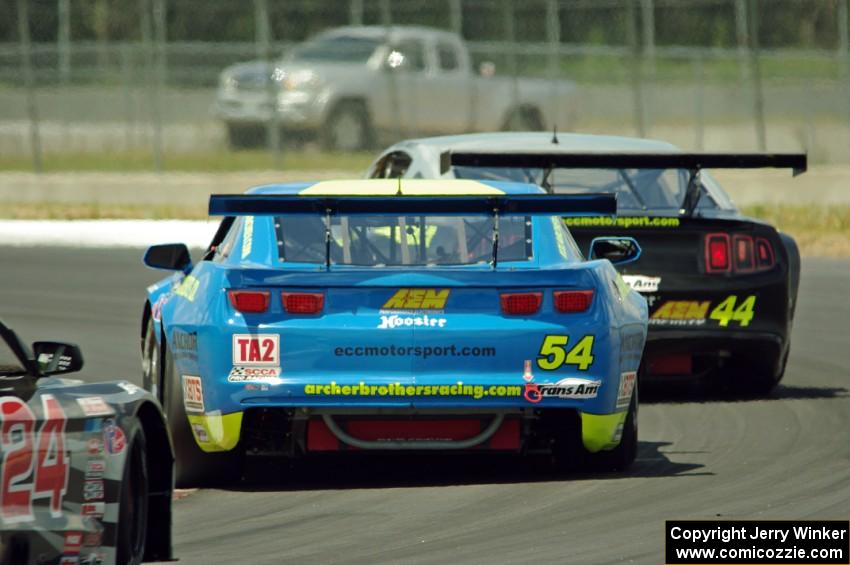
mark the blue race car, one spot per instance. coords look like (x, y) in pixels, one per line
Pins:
(395, 315)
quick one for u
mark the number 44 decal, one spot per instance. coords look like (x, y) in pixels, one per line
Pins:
(19, 483)
(554, 353)
(727, 311)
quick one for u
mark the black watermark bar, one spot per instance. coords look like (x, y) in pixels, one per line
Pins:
(759, 542)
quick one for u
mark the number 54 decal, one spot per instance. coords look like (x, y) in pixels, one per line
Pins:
(730, 311)
(554, 353)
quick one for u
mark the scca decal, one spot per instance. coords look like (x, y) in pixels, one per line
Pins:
(417, 299)
(256, 349)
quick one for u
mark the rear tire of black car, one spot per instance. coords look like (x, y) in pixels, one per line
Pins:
(621, 457)
(193, 467)
(150, 361)
(347, 128)
(763, 380)
(133, 509)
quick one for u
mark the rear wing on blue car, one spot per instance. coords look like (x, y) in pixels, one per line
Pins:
(461, 205)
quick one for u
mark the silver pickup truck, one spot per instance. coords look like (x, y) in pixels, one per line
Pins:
(352, 87)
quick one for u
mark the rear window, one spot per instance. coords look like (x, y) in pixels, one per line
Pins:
(657, 190)
(399, 241)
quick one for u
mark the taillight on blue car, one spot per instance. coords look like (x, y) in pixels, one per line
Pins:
(567, 301)
(249, 301)
(302, 302)
(521, 303)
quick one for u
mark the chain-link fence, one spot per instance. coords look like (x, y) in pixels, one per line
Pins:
(145, 75)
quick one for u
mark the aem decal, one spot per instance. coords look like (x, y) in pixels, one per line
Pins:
(193, 394)
(417, 299)
(681, 313)
(256, 349)
(33, 465)
(554, 354)
(696, 313)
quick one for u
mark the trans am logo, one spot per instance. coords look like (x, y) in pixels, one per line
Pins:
(569, 388)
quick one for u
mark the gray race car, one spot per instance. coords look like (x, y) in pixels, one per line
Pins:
(86, 473)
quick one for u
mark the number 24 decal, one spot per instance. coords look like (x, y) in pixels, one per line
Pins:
(554, 353)
(19, 483)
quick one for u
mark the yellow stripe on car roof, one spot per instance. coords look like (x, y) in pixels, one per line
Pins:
(409, 187)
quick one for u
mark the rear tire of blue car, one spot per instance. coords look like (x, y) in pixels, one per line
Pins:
(621, 457)
(193, 467)
(150, 361)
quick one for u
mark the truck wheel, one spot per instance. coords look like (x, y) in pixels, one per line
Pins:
(133, 508)
(150, 361)
(347, 128)
(193, 467)
(524, 119)
(621, 457)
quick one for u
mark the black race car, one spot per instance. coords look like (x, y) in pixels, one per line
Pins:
(721, 287)
(86, 472)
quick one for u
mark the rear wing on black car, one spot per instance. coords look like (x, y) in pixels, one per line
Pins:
(689, 161)
(693, 162)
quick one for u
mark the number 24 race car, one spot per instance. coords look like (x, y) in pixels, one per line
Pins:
(395, 315)
(86, 467)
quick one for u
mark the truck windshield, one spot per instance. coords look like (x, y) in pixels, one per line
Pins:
(341, 48)
(397, 241)
(644, 190)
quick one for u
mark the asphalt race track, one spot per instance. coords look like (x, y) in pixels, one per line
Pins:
(784, 457)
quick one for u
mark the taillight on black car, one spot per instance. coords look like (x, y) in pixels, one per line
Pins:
(737, 253)
(717, 258)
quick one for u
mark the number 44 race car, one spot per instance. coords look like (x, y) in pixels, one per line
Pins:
(395, 315)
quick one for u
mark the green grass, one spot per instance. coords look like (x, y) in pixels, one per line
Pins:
(820, 231)
(203, 161)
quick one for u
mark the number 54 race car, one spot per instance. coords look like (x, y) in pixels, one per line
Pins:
(86, 467)
(395, 315)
